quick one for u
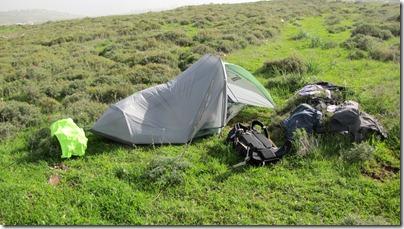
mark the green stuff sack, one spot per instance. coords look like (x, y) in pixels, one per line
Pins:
(71, 137)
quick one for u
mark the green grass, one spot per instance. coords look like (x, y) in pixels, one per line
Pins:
(195, 184)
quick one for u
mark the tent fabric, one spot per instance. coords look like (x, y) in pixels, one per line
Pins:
(71, 137)
(193, 104)
(242, 83)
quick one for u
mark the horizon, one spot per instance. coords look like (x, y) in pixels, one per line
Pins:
(96, 8)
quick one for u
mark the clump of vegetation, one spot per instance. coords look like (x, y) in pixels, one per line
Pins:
(385, 54)
(303, 143)
(359, 152)
(362, 42)
(43, 146)
(7, 130)
(372, 30)
(166, 170)
(20, 114)
(289, 65)
(85, 112)
(49, 105)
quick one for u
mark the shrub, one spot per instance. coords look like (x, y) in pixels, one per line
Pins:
(159, 57)
(43, 146)
(385, 54)
(328, 45)
(166, 170)
(202, 49)
(394, 28)
(7, 130)
(301, 35)
(332, 20)
(356, 54)
(205, 36)
(75, 97)
(360, 41)
(21, 114)
(152, 74)
(336, 29)
(372, 30)
(48, 105)
(187, 59)
(288, 82)
(178, 37)
(291, 64)
(85, 112)
(359, 152)
(303, 143)
(108, 93)
(315, 41)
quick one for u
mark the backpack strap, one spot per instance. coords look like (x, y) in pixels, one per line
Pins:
(256, 122)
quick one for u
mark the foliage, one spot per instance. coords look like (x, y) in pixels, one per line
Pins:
(292, 64)
(20, 114)
(359, 152)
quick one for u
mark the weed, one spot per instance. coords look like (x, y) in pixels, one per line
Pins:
(166, 170)
(385, 54)
(359, 152)
(20, 114)
(303, 143)
(292, 64)
(43, 146)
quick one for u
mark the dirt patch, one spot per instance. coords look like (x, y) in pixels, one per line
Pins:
(54, 179)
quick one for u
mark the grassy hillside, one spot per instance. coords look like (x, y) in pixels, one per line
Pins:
(77, 68)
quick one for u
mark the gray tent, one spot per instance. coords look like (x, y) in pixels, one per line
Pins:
(200, 101)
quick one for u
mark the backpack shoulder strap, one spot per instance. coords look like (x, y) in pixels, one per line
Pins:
(255, 123)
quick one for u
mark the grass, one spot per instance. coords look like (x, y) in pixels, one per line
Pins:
(322, 184)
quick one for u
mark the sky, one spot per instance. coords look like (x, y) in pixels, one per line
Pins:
(93, 8)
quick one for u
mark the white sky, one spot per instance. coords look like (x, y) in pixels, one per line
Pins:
(104, 7)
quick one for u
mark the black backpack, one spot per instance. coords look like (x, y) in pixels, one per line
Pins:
(256, 147)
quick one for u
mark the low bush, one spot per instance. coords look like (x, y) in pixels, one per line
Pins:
(7, 130)
(202, 49)
(43, 146)
(85, 112)
(110, 93)
(372, 30)
(75, 97)
(292, 64)
(20, 114)
(48, 105)
(186, 59)
(356, 54)
(363, 42)
(152, 73)
(359, 152)
(303, 143)
(177, 37)
(385, 54)
(159, 57)
(301, 35)
(166, 170)
(336, 29)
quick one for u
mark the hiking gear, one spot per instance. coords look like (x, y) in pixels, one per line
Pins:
(71, 137)
(305, 117)
(199, 102)
(348, 118)
(255, 146)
